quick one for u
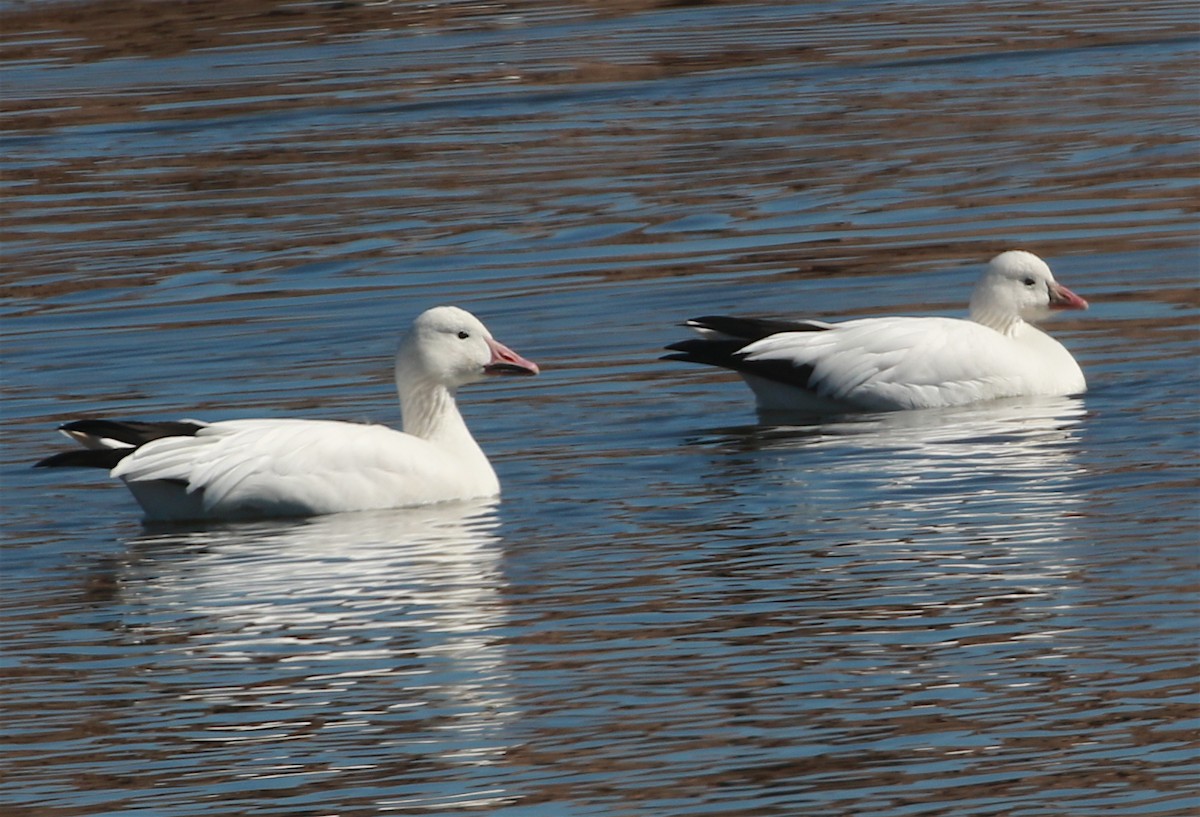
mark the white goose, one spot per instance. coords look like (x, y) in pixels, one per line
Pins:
(896, 363)
(238, 469)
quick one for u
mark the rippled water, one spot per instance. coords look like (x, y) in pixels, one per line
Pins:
(677, 608)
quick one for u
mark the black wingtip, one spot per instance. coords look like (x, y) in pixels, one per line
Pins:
(727, 354)
(708, 351)
(132, 432)
(752, 329)
(106, 458)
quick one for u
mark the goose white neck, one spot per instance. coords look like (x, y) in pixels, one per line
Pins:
(1003, 321)
(429, 410)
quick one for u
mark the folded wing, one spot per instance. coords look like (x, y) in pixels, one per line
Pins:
(253, 468)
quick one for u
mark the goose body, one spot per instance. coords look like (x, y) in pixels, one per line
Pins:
(189, 470)
(898, 363)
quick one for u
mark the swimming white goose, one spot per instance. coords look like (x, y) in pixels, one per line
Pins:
(189, 470)
(896, 363)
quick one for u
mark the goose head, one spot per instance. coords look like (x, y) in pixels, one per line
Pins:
(1019, 286)
(451, 347)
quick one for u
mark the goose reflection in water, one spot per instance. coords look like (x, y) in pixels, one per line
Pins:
(914, 534)
(390, 614)
(992, 472)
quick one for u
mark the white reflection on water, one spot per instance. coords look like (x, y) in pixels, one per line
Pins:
(351, 639)
(1013, 461)
(941, 484)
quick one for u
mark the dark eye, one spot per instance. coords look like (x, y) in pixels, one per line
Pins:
(1028, 282)
(463, 334)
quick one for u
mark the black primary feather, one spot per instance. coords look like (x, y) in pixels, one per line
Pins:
(134, 433)
(728, 355)
(726, 352)
(752, 329)
(106, 458)
(712, 352)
